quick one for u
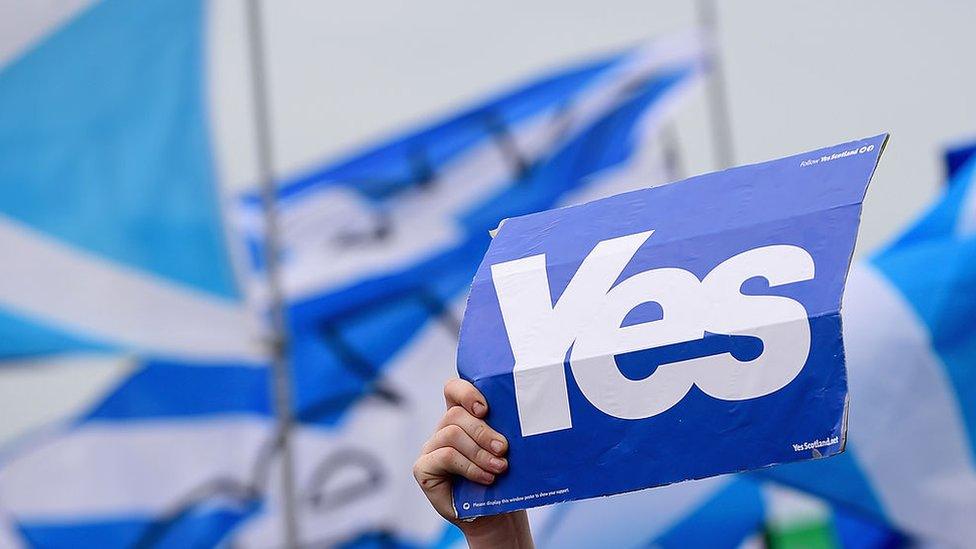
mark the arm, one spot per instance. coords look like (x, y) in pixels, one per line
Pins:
(464, 445)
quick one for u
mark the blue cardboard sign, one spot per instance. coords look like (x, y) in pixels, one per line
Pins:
(667, 334)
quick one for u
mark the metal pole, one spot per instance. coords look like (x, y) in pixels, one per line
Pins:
(671, 149)
(717, 95)
(276, 304)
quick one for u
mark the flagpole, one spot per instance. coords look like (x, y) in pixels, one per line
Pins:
(718, 103)
(278, 337)
(672, 152)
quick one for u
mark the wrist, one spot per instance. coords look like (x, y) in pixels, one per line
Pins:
(506, 530)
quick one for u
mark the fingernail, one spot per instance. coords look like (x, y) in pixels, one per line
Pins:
(488, 478)
(479, 409)
(497, 446)
(497, 464)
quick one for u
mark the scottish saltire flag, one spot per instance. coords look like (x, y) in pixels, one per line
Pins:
(111, 224)
(115, 250)
(108, 205)
(907, 476)
(911, 349)
(379, 251)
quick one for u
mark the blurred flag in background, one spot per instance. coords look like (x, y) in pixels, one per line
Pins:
(107, 192)
(911, 351)
(956, 157)
(379, 251)
(908, 475)
(727, 511)
(111, 220)
(116, 249)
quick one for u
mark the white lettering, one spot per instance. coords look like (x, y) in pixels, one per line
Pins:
(588, 315)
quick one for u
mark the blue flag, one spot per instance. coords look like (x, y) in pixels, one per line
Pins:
(911, 346)
(379, 248)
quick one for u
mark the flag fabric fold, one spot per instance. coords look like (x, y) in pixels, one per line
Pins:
(911, 350)
(375, 294)
(125, 256)
(121, 251)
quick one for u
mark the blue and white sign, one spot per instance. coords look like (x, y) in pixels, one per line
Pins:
(666, 334)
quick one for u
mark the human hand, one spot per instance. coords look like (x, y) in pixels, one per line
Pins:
(464, 445)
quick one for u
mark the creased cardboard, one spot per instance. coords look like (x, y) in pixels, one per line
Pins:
(666, 334)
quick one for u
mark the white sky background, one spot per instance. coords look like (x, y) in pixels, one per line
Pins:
(801, 75)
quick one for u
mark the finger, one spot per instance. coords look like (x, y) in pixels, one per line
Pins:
(458, 392)
(453, 436)
(449, 461)
(476, 428)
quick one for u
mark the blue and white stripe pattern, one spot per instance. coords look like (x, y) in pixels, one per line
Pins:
(87, 126)
(375, 293)
(911, 350)
(121, 253)
(114, 245)
(909, 470)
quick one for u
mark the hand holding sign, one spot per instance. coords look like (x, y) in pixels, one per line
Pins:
(464, 445)
(609, 338)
